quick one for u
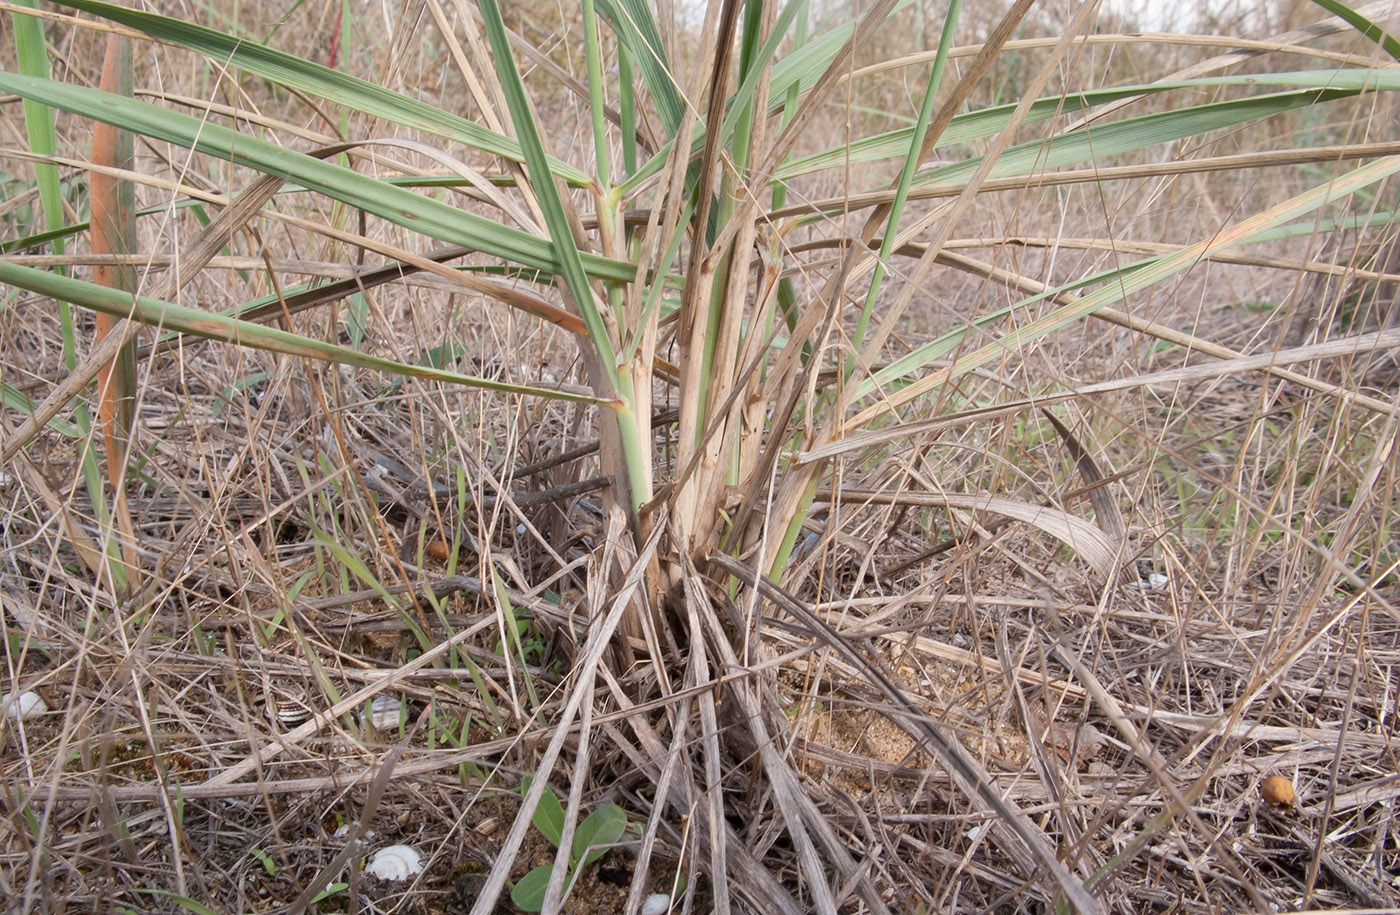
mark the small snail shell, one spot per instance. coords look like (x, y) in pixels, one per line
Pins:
(1278, 791)
(384, 713)
(288, 712)
(397, 862)
(285, 703)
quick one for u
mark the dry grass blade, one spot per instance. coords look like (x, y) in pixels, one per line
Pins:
(1102, 551)
(356, 700)
(1105, 506)
(1364, 343)
(709, 735)
(806, 826)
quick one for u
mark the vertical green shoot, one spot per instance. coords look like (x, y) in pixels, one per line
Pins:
(906, 178)
(635, 457)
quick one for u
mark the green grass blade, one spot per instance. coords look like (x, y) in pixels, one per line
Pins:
(627, 110)
(754, 69)
(566, 252)
(632, 23)
(1367, 27)
(740, 109)
(794, 73)
(596, 103)
(906, 177)
(989, 121)
(14, 399)
(419, 214)
(32, 58)
(312, 78)
(220, 327)
(1139, 276)
(1101, 142)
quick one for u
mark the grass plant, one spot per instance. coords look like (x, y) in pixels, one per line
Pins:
(932, 476)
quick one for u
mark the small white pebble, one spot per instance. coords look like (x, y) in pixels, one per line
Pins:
(343, 832)
(1154, 582)
(656, 904)
(28, 705)
(397, 862)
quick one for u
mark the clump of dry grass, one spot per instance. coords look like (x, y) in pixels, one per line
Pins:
(317, 537)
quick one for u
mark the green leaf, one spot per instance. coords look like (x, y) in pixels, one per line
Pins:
(220, 327)
(602, 828)
(401, 207)
(549, 815)
(15, 399)
(306, 76)
(330, 891)
(1367, 27)
(268, 864)
(528, 894)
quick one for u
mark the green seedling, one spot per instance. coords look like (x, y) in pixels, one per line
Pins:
(330, 891)
(266, 860)
(599, 830)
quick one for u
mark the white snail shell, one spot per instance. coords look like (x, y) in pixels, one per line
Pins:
(384, 713)
(656, 904)
(397, 862)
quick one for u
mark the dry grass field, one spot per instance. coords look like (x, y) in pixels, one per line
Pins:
(675, 536)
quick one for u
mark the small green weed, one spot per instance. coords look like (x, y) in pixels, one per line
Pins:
(600, 829)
